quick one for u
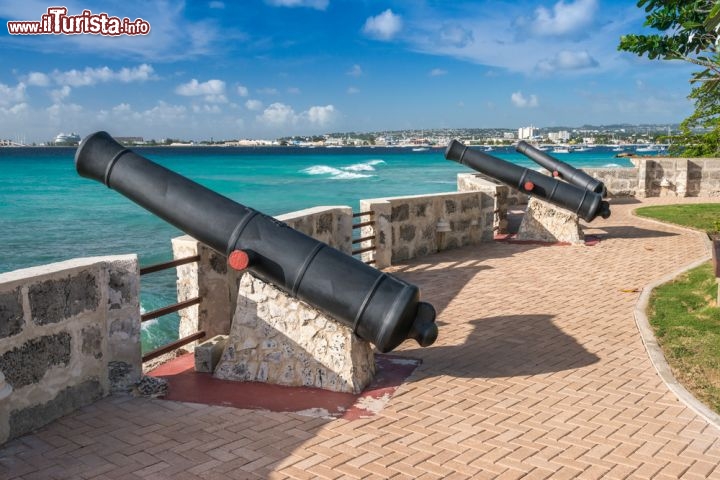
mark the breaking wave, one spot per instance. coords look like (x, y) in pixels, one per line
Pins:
(345, 173)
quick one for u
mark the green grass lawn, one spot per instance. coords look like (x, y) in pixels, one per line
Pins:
(684, 313)
(705, 216)
(686, 321)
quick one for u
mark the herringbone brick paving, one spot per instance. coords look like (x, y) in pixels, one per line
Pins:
(539, 372)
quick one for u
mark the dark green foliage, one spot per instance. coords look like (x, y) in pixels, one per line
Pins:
(689, 32)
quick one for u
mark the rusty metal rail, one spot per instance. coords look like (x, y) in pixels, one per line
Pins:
(164, 266)
(371, 238)
(173, 346)
(171, 309)
(362, 214)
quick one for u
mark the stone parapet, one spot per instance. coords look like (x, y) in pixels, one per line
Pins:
(69, 335)
(409, 227)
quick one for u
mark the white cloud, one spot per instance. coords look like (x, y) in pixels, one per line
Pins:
(11, 95)
(278, 115)
(437, 72)
(217, 5)
(355, 71)
(564, 19)
(316, 4)
(38, 79)
(195, 88)
(353, 90)
(254, 105)
(455, 36)
(383, 26)
(60, 94)
(321, 116)
(567, 60)
(293, 90)
(92, 76)
(519, 100)
(242, 91)
(214, 109)
(268, 91)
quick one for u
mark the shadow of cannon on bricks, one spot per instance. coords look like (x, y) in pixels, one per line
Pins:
(502, 346)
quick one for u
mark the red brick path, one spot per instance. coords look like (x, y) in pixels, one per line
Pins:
(539, 372)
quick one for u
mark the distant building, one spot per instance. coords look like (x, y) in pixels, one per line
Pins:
(561, 136)
(508, 136)
(130, 140)
(525, 133)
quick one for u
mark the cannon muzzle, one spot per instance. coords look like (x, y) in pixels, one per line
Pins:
(560, 169)
(585, 203)
(379, 307)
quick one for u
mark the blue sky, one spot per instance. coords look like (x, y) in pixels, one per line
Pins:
(268, 68)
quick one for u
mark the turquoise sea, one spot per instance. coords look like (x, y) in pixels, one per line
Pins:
(48, 213)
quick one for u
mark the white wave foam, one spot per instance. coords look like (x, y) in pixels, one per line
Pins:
(321, 170)
(336, 173)
(360, 167)
(376, 161)
(612, 165)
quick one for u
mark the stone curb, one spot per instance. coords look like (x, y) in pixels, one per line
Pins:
(648, 336)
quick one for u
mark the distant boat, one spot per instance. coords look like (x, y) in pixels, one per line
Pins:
(541, 147)
(647, 149)
(489, 149)
(582, 149)
(618, 149)
(561, 150)
(67, 139)
(420, 149)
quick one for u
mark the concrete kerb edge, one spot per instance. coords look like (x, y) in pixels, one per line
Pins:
(657, 358)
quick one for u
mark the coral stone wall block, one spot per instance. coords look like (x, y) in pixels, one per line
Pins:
(11, 313)
(450, 206)
(400, 213)
(92, 339)
(28, 363)
(53, 301)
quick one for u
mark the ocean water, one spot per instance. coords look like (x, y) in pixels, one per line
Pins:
(48, 213)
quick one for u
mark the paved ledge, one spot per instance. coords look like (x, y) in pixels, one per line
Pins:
(539, 372)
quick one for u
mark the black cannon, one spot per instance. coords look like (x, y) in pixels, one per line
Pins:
(560, 169)
(585, 203)
(379, 307)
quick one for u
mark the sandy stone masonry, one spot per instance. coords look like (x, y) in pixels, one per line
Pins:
(69, 335)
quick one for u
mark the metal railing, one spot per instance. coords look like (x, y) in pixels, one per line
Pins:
(371, 238)
(170, 309)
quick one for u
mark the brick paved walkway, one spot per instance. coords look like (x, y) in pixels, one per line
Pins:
(539, 372)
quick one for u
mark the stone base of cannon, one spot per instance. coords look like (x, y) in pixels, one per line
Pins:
(280, 340)
(545, 222)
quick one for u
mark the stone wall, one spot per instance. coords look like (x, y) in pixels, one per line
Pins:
(619, 181)
(407, 227)
(69, 335)
(660, 176)
(211, 279)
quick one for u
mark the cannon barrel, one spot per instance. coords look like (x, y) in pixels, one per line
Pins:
(379, 307)
(585, 203)
(560, 169)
